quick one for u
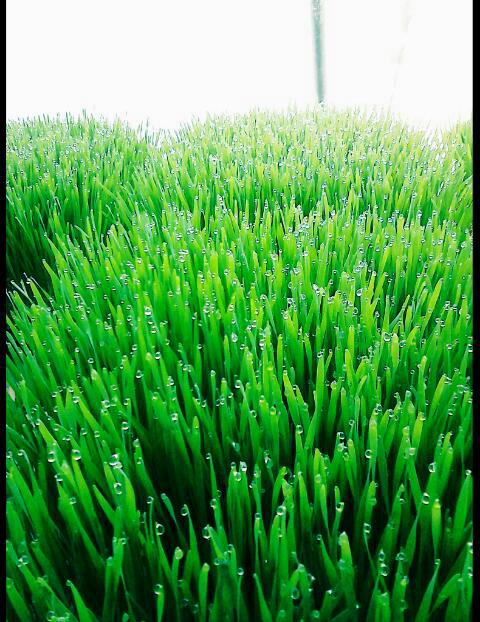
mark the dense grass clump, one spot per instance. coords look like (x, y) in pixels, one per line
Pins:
(239, 386)
(61, 176)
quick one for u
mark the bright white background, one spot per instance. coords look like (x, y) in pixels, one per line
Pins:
(164, 61)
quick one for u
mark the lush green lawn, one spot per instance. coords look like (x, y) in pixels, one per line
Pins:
(238, 374)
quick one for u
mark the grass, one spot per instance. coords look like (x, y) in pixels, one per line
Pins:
(61, 175)
(239, 385)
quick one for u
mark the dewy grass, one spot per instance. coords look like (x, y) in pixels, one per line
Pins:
(60, 174)
(242, 391)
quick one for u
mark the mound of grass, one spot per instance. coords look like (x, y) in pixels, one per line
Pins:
(239, 388)
(61, 176)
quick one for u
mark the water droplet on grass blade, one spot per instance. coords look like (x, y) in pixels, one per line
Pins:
(118, 488)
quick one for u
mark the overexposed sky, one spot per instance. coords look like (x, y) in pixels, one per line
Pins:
(168, 60)
(414, 56)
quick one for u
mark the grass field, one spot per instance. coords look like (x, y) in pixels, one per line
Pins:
(239, 371)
